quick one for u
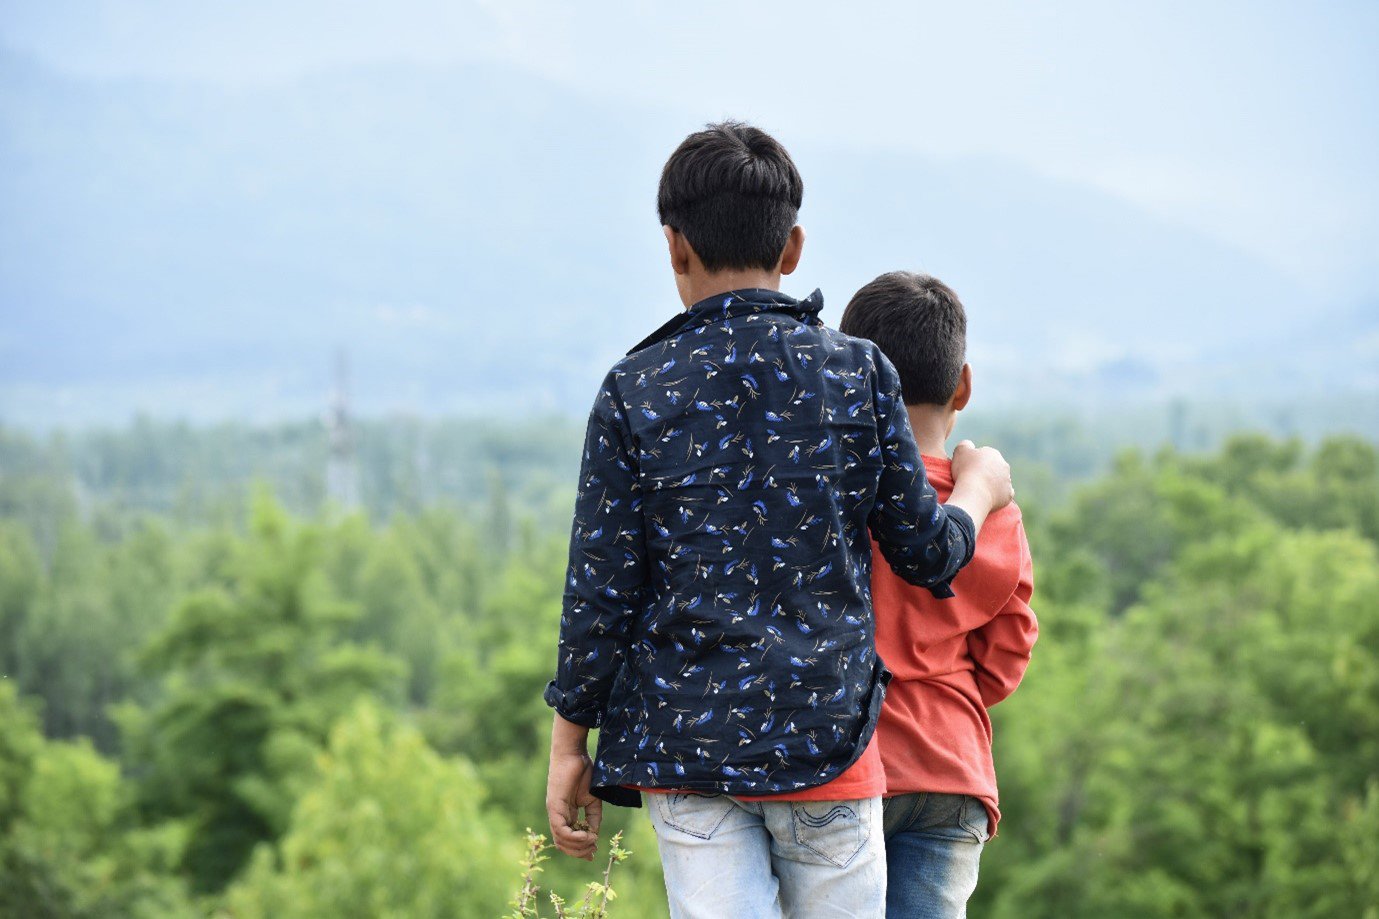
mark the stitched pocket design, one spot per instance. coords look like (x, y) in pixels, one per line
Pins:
(832, 831)
(837, 811)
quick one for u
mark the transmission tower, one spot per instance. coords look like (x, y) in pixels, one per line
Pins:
(342, 475)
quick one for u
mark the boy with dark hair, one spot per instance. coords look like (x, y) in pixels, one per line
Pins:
(954, 660)
(717, 623)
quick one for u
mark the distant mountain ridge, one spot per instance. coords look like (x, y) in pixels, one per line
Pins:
(480, 241)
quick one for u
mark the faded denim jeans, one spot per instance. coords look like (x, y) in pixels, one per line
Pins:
(933, 845)
(729, 859)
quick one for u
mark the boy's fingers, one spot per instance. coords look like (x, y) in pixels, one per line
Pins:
(965, 445)
(593, 814)
(562, 831)
(556, 817)
(579, 843)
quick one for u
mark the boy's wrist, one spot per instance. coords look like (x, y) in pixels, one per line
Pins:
(568, 738)
(579, 750)
(975, 491)
(972, 495)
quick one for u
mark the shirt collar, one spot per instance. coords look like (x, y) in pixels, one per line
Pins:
(737, 303)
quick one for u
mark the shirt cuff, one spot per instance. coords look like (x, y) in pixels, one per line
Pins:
(943, 590)
(961, 528)
(570, 707)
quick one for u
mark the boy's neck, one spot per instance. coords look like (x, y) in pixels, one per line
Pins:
(931, 425)
(698, 286)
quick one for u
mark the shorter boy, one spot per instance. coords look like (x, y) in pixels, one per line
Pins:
(951, 660)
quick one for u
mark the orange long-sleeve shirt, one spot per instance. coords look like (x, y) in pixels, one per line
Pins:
(953, 659)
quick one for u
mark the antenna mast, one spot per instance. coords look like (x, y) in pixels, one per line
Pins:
(342, 475)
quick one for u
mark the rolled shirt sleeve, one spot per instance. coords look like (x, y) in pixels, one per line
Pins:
(607, 570)
(925, 542)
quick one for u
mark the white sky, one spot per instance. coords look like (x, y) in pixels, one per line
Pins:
(1255, 123)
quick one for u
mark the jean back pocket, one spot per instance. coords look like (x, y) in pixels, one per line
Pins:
(695, 814)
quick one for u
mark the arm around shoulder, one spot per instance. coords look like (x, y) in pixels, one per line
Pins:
(926, 543)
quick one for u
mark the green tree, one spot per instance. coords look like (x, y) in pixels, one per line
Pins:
(399, 614)
(21, 579)
(69, 847)
(1212, 752)
(255, 672)
(388, 828)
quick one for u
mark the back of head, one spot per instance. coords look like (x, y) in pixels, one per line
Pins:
(733, 192)
(919, 324)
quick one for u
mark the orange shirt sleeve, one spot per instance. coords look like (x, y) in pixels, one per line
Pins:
(1001, 648)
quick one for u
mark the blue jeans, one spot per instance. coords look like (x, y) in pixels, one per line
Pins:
(933, 845)
(730, 859)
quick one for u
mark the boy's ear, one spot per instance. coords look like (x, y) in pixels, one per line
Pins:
(680, 250)
(794, 247)
(963, 394)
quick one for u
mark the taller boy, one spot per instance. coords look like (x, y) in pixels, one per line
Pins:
(717, 618)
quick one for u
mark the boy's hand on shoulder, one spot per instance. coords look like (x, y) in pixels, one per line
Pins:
(986, 468)
(567, 792)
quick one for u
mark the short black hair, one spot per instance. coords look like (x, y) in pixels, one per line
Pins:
(919, 323)
(733, 192)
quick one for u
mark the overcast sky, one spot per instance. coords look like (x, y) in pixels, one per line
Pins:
(1255, 123)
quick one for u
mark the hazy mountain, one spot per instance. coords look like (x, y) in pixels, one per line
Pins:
(481, 241)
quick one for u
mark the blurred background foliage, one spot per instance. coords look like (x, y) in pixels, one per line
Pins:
(259, 662)
(223, 696)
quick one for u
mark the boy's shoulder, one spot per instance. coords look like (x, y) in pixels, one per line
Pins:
(999, 559)
(1008, 520)
(666, 349)
(867, 353)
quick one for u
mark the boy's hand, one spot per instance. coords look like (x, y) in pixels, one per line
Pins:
(984, 468)
(567, 791)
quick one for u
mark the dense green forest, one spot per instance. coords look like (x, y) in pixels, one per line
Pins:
(231, 705)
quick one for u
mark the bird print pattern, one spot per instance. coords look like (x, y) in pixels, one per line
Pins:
(717, 619)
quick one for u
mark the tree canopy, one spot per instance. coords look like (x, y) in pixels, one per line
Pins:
(278, 713)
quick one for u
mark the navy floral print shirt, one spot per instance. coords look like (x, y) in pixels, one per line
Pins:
(717, 619)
